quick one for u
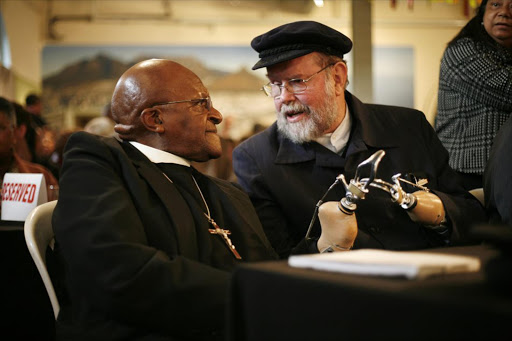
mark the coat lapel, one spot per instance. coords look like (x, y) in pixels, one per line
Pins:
(176, 207)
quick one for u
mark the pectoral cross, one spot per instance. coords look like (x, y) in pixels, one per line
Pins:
(225, 235)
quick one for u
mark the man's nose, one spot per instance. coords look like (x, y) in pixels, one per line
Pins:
(215, 116)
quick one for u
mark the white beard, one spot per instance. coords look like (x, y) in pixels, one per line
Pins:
(313, 126)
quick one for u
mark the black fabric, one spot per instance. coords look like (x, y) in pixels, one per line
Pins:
(498, 178)
(129, 240)
(321, 305)
(217, 253)
(25, 306)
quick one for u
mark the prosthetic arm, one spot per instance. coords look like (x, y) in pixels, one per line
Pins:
(339, 225)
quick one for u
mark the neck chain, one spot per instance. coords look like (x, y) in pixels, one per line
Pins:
(224, 234)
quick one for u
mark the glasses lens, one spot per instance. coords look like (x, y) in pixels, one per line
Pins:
(267, 89)
(297, 86)
(209, 103)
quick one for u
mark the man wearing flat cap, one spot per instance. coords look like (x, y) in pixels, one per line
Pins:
(322, 131)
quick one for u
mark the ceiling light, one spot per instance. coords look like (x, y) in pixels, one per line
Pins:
(319, 3)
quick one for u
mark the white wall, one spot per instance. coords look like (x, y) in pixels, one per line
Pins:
(23, 21)
(428, 27)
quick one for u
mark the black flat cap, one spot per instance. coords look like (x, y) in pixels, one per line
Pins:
(297, 39)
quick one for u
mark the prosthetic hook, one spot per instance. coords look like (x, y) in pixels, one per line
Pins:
(357, 188)
(422, 206)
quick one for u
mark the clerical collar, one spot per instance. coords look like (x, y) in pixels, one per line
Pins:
(159, 156)
(338, 139)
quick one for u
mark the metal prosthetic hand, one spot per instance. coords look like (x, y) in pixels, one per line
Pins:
(339, 224)
(422, 206)
(337, 219)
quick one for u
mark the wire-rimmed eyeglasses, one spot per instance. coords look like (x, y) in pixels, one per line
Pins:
(294, 86)
(206, 102)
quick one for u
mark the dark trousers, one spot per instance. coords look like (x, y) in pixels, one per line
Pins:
(471, 181)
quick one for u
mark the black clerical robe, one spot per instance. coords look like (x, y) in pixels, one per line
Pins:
(140, 262)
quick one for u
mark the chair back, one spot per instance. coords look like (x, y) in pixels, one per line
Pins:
(479, 194)
(38, 236)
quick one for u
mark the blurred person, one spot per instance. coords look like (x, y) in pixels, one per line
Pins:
(34, 106)
(25, 133)
(475, 89)
(45, 143)
(10, 162)
(57, 155)
(102, 126)
(323, 131)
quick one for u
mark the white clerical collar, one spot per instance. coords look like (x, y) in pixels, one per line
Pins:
(159, 156)
(338, 139)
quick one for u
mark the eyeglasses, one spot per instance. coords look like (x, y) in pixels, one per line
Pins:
(206, 102)
(294, 86)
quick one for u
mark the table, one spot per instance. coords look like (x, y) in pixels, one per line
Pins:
(273, 301)
(25, 306)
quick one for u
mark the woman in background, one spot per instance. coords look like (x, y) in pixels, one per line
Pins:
(475, 89)
(10, 162)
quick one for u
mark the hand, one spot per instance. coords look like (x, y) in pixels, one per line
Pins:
(339, 229)
(429, 209)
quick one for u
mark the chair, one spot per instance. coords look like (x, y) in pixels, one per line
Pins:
(479, 194)
(38, 236)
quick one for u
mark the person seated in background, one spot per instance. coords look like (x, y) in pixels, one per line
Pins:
(10, 162)
(34, 106)
(147, 242)
(45, 144)
(322, 131)
(498, 178)
(25, 133)
(102, 125)
(475, 89)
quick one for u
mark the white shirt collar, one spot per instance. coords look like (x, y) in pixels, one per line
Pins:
(338, 139)
(159, 156)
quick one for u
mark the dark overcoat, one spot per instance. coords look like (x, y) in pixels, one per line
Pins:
(286, 180)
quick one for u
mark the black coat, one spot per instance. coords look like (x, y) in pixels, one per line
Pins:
(137, 261)
(498, 177)
(285, 180)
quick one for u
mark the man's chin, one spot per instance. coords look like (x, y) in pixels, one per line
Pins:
(297, 133)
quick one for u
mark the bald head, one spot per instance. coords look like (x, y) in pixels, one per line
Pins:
(164, 105)
(145, 83)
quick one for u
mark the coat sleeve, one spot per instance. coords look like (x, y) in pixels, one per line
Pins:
(498, 177)
(111, 269)
(248, 159)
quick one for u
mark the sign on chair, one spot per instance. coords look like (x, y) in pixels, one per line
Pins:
(21, 193)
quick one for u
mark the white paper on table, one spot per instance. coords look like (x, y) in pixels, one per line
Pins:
(411, 264)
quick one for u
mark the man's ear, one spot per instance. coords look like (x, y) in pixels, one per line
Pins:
(340, 75)
(152, 120)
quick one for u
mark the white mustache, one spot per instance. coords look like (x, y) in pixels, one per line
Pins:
(293, 108)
